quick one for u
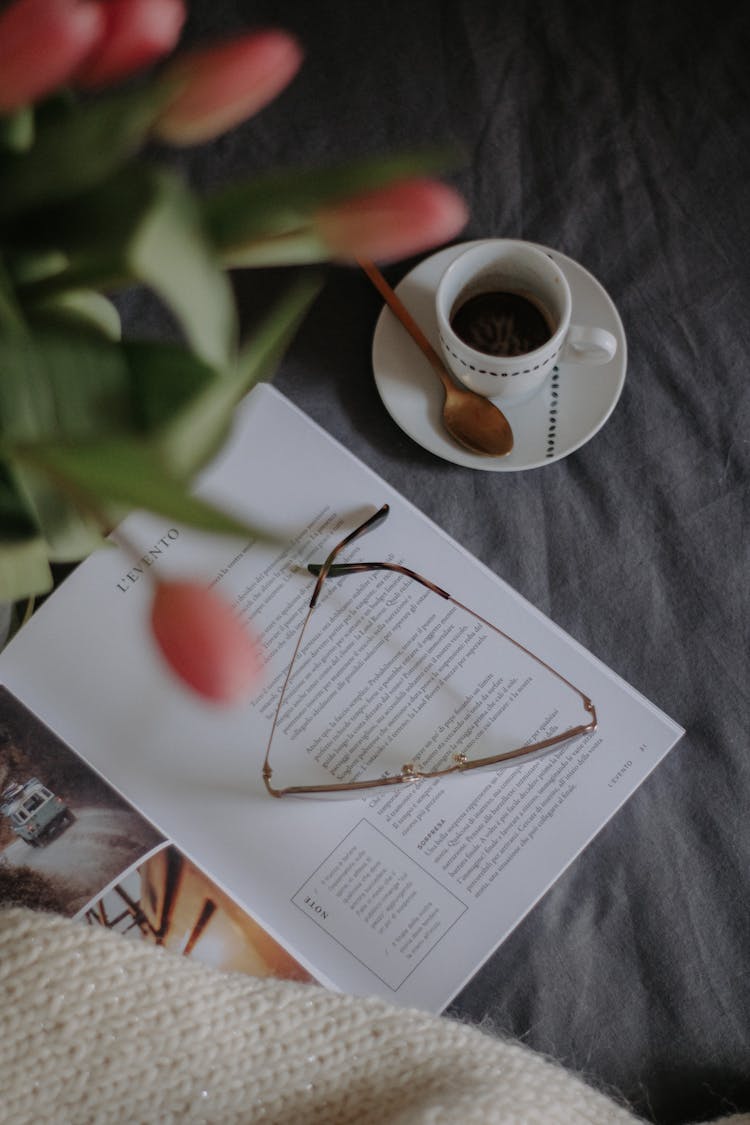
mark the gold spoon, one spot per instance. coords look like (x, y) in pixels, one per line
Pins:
(472, 420)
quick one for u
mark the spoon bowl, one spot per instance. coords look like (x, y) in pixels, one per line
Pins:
(472, 420)
(476, 422)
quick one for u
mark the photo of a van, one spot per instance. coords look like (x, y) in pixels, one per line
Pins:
(35, 812)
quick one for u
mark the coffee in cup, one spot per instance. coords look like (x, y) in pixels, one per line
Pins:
(502, 322)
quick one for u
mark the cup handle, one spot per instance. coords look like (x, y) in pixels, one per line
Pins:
(588, 344)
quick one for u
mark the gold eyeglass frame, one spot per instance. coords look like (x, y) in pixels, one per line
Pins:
(409, 772)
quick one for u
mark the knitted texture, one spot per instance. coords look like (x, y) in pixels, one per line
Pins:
(98, 1028)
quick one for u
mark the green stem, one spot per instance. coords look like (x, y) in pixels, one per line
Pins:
(299, 247)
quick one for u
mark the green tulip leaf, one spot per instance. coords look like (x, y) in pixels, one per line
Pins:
(173, 256)
(141, 226)
(164, 377)
(83, 310)
(72, 152)
(127, 475)
(193, 433)
(29, 266)
(57, 385)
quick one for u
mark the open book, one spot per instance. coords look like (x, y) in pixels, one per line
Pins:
(402, 892)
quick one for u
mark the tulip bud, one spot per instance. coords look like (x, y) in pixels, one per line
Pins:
(136, 33)
(392, 222)
(220, 86)
(204, 642)
(41, 44)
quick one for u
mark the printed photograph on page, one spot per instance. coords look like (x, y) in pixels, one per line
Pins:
(65, 834)
(167, 900)
(70, 844)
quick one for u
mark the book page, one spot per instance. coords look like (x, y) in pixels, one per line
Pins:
(403, 891)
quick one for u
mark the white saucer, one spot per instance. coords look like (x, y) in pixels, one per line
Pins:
(566, 412)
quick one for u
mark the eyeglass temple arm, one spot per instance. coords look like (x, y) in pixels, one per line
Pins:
(340, 570)
(324, 570)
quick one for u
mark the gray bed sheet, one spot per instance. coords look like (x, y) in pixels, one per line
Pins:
(620, 134)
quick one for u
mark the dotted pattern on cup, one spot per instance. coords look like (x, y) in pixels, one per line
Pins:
(554, 397)
(498, 374)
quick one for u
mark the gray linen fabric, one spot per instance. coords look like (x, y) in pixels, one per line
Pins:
(618, 132)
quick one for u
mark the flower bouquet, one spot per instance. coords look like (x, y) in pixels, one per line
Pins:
(93, 425)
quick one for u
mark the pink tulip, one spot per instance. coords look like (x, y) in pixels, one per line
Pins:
(220, 86)
(203, 641)
(393, 222)
(135, 34)
(41, 44)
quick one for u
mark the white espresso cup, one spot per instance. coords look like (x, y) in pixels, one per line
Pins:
(504, 320)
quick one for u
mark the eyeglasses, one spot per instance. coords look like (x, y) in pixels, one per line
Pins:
(410, 772)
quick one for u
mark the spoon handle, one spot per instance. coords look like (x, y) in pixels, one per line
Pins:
(400, 311)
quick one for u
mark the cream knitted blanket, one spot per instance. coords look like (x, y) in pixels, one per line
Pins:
(98, 1028)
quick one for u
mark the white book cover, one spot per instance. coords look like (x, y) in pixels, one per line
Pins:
(402, 892)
